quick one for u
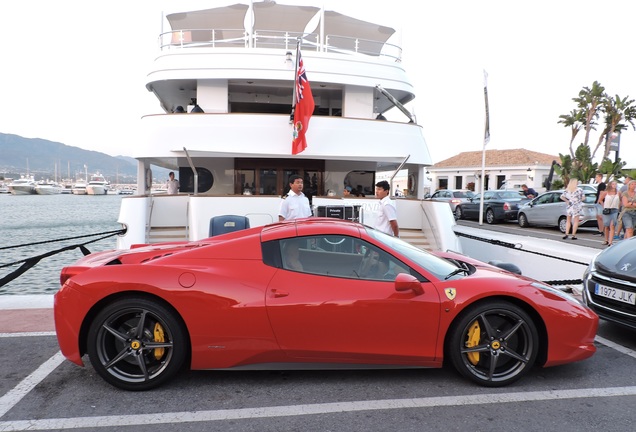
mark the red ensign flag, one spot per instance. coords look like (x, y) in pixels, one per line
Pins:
(303, 110)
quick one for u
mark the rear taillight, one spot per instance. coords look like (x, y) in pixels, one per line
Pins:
(506, 206)
(456, 201)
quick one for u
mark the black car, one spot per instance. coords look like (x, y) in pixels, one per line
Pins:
(609, 283)
(499, 205)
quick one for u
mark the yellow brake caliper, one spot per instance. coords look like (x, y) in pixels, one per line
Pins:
(159, 337)
(472, 339)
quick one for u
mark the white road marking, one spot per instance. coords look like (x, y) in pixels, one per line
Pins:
(312, 409)
(617, 347)
(25, 334)
(15, 395)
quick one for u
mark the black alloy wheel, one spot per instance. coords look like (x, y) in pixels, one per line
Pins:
(523, 220)
(493, 343)
(137, 343)
(459, 214)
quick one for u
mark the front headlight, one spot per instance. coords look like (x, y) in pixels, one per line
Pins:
(591, 268)
(555, 291)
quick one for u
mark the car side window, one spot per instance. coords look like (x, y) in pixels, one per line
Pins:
(547, 198)
(339, 256)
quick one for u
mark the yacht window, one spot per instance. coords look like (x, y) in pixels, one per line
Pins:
(270, 177)
(186, 180)
(362, 182)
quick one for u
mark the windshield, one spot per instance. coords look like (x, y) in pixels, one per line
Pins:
(438, 267)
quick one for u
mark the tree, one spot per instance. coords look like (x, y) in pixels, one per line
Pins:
(575, 120)
(616, 109)
(591, 104)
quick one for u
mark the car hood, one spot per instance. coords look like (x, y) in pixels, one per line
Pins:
(619, 260)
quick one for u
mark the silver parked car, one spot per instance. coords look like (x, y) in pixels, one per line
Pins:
(452, 196)
(549, 210)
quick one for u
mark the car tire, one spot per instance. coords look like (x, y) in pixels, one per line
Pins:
(493, 343)
(490, 216)
(562, 223)
(459, 214)
(137, 343)
(523, 220)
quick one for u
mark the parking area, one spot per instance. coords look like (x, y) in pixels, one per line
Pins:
(42, 391)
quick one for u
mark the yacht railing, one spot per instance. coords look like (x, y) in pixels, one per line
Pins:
(239, 38)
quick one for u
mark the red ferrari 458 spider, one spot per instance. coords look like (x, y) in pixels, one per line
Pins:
(312, 293)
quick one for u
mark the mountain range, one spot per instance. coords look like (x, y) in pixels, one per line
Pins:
(45, 159)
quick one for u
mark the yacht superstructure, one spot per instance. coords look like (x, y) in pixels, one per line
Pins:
(225, 79)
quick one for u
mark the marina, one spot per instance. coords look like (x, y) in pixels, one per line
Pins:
(224, 78)
(36, 218)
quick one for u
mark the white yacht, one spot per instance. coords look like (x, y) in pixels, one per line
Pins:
(232, 148)
(22, 186)
(97, 185)
(48, 188)
(79, 187)
(225, 78)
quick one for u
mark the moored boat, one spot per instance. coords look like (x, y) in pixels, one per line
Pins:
(48, 188)
(97, 185)
(79, 187)
(22, 186)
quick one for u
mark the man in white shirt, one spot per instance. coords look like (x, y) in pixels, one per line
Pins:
(172, 184)
(295, 204)
(387, 218)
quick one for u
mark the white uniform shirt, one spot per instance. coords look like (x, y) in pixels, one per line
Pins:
(172, 186)
(294, 206)
(387, 213)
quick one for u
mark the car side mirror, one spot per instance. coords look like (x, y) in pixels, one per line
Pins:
(407, 282)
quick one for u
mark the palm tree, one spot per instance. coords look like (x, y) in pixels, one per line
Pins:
(615, 110)
(574, 120)
(588, 102)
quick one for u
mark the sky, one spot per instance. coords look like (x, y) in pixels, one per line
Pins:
(74, 71)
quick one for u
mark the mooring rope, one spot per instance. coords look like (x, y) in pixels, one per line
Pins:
(518, 247)
(30, 262)
(120, 231)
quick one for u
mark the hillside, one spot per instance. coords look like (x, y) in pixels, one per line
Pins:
(41, 157)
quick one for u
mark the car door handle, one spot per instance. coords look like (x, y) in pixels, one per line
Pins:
(279, 294)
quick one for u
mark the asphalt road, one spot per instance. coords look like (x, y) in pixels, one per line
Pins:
(595, 394)
(585, 236)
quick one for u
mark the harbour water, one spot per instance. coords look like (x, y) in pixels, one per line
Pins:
(35, 218)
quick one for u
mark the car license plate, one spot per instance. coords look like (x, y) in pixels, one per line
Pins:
(615, 294)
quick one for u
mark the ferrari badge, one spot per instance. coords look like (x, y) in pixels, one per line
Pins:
(450, 293)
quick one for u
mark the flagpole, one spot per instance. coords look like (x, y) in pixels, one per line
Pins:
(483, 151)
(291, 117)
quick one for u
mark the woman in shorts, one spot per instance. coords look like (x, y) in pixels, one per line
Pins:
(629, 209)
(611, 202)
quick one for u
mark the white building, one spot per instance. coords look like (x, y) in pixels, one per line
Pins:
(503, 168)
